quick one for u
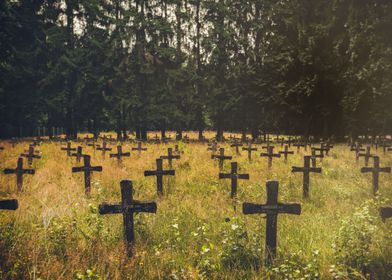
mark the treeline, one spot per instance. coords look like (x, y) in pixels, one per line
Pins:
(309, 67)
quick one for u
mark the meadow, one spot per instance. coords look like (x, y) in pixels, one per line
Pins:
(198, 232)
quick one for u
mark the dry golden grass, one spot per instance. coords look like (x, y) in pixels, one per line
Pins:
(57, 232)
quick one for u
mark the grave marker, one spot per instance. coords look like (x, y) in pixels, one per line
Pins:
(366, 155)
(78, 154)
(272, 208)
(19, 171)
(127, 207)
(170, 157)
(375, 170)
(139, 148)
(69, 149)
(306, 170)
(120, 154)
(159, 173)
(87, 169)
(234, 176)
(270, 154)
(385, 213)
(249, 149)
(286, 152)
(104, 148)
(30, 155)
(221, 157)
(314, 157)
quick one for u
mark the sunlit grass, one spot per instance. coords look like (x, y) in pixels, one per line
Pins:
(57, 231)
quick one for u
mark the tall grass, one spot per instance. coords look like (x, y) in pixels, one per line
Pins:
(198, 232)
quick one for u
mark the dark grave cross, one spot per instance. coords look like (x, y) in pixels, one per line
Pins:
(270, 154)
(30, 155)
(69, 149)
(286, 152)
(249, 149)
(120, 154)
(272, 208)
(322, 149)
(221, 157)
(375, 170)
(127, 207)
(78, 154)
(104, 148)
(385, 147)
(170, 157)
(159, 173)
(357, 148)
(1, 148)
(306, 170)
(177, 150)
(385, 213)
(289, 141)
(267, 146)
(299, 145)
(314, 157)
(19, 171)
(236, 144)
(9, 204)
(327, 147)
(366, 155)
(139, 148)
(87, 169)
(234, 176)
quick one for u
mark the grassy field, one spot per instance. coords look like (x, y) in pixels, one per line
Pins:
(57, 233)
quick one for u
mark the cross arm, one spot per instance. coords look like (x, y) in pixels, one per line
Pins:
(224, 176)
(315, 169)
(243, 176)
(96, 168)
(297, 169)
(253, 208)
(29, 171)
(9, 204)
(9, 171)
(150, 173)
(169, 172)
(77, 169)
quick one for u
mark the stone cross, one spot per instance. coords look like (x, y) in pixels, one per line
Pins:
(272, 208)
(234, 176)
(306, 170)
(314, 156)
(104, 148)
(221, 157)
(366, 155)
(30, 155)
(385, 213)
(270, 154)
(78, 154)
(236, 144)
(87, 169)
(69, 149)
(249, 149)
(120, 154)
(139, 148)
(9, 204)
(19, 171)
(170, 157)
(159, 173)
(286, 152)
(127, 207)
(375, 170)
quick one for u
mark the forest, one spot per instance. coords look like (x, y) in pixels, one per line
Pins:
(304, 67)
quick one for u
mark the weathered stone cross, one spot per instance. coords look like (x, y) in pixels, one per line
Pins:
(159, 173)
(139, 148)
(375, 170)
(78, 154)
(69, 149)
(306, 170)
(120, 154)
(234, 176)
(286, 152)
(87, 169)
(249, 149)
(272, 208)
(104, 148)
(366, 155)
(19, 171)
(127, 207)
(170, 157)
(270, 154)
(221, 157)
(30, 155)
